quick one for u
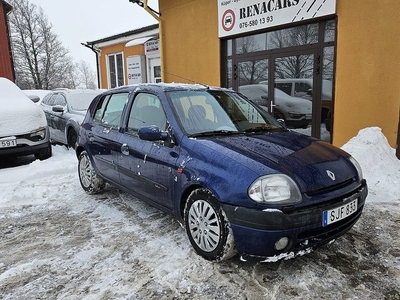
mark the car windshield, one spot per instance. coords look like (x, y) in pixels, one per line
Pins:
(219, 112)
(81, 101)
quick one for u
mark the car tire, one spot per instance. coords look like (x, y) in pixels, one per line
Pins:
(90, 181)
(207, 226)
(71, 138)
(45, 154)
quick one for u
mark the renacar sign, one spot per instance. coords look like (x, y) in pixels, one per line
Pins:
(240, 16)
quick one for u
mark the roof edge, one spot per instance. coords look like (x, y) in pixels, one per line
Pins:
(124, 34)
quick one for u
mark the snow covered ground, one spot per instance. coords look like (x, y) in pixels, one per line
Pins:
(56, 242)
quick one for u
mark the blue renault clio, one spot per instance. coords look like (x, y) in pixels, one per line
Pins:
(236, 179)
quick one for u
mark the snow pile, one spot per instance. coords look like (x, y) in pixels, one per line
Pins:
(18, 115)
(379, 164)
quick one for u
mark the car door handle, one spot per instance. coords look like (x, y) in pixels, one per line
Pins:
(125, 149)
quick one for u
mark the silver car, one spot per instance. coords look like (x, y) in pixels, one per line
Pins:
(65, 110)
(296, 112)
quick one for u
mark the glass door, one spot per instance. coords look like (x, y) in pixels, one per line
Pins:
(293, 89)
(250, 77)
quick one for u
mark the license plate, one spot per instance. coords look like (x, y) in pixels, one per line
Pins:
(339, 213)
(8, 143)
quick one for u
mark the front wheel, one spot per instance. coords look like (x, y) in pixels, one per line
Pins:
(207, 226)
(71, 139)
(90, 182)
(45, 154)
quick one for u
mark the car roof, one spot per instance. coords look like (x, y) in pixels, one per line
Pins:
(165, 87)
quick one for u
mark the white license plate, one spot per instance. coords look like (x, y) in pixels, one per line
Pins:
(339, 213)
(8, 143)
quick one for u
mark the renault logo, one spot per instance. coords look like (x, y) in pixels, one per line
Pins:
(330, 174)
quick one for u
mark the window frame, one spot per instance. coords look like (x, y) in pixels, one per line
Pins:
(118, 73)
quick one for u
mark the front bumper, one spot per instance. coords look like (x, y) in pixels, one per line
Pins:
(26, 146)
(256, 231)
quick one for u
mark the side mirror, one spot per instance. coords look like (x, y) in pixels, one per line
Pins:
(34, 98)
(281, 122)
(309, 92)
(152, 133)
(58, 108)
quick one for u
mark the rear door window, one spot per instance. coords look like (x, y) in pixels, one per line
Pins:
(109, 110)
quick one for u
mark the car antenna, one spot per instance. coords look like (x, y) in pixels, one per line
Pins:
(190, 80)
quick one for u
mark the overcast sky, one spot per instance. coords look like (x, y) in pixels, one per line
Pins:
(77, 21)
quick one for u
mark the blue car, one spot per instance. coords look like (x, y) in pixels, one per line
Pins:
(236, 179)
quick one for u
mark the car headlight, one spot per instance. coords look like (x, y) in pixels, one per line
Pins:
(357, 166)
(274, 189)
(38, 135)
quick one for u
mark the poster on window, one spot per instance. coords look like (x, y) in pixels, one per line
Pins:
(136, 69)
(240, 16)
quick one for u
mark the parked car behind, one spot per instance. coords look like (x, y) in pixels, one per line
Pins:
(224, 167)
(65, 110)
(296, 112)
(23, 126)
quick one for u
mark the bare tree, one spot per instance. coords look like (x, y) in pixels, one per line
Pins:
(87, 76)
(40, 60)
(295, 66)
(251, 71)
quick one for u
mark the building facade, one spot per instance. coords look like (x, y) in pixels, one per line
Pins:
(342, 56)
(6, 61)
(128, 58)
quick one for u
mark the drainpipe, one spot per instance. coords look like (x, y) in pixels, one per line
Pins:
(156, 16)
(91, 47)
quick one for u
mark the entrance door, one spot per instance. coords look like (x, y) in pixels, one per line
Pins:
(154, 65)
(294, 86)
(251, 78)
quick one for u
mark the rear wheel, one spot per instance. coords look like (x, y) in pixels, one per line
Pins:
(90, 182)
(207, 226)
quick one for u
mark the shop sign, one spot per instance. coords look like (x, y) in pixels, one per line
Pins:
(136, 69)
(152, 47)
(240, 16)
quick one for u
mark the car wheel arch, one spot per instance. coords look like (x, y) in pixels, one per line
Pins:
(68, 133)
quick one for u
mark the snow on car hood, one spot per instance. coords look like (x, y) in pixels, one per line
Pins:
(18, 114)
(305, 159)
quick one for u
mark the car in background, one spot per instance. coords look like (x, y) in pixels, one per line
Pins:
(65, 110)
(302, 88)
(36, 95)
(237, 180)
(23, 126)
(296, 112)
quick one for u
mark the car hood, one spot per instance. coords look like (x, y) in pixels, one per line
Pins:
(315, 165)
(18, 114)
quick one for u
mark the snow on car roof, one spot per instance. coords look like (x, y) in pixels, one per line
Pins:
(18, 114)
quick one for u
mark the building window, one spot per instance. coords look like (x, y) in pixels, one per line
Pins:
(115, 70)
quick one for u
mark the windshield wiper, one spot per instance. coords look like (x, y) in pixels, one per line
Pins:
(261, 129)
(214, 132)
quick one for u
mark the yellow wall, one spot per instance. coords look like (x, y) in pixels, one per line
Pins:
(190, 41)
(367, 91)
(117, 48)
